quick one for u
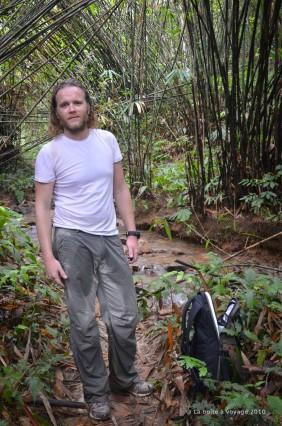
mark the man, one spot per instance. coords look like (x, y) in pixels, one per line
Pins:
(81, 168)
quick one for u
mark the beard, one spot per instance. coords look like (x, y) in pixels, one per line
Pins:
(75, 127)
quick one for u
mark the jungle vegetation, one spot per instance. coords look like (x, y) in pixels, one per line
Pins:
(199, 79)
(192, 90)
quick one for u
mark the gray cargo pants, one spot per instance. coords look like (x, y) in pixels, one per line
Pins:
(96, 265)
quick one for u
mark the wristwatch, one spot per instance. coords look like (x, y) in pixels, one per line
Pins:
(136, 234)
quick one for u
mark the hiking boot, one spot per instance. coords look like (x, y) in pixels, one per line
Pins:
(99, 410)
(141, 389)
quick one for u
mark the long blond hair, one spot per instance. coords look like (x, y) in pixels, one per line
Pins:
(54, 126)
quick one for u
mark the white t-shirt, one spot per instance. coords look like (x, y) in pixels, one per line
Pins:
(83, 175)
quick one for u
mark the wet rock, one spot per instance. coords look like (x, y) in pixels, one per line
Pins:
(177, 252)
(144, 247)
(135, 268)
(157, 251)
(176, 268)
(153, 270)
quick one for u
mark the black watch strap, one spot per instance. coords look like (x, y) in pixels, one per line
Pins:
(136, 234)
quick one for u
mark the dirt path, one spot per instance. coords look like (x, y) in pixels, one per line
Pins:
(126, 410)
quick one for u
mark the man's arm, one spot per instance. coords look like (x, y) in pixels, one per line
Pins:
(124, 205)
(43, 199)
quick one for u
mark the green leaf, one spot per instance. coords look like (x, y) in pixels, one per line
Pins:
(250, 299)
(274, 287)
(180, 276)
(21, 327)
(261, 355)
(275, 306)
(141, 191)
(240, 400)
(250, 276)
(275, 404)
(94, 9)
(4, 216)
(109, 75)
(277, 347)
(189, 362)
(178, 75)
(35, 386)
(182, 215)
(52, 331)
(167, 229)
(252, 336)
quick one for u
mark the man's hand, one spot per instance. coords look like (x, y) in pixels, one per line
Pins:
(132, 246)
(54, 270)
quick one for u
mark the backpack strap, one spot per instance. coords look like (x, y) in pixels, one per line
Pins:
(197, 303)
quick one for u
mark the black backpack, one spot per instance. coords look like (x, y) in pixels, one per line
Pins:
(204, 337)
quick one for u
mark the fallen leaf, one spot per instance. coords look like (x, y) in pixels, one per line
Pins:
(179, 384)
(169, 336)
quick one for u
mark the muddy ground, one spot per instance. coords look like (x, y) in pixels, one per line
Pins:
(224, 233)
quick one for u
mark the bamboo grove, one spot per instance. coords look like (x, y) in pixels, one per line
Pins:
(204, 74)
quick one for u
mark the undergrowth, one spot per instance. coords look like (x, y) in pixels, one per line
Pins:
(18, 182)
(259, 295)
(33, 339)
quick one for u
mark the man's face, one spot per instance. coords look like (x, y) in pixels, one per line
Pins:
(72, 109)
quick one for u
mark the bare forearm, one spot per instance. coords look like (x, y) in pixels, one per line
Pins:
(124, 205)
(43, 225)
(43, 198)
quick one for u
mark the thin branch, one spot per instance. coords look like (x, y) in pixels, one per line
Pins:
(252, 246)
